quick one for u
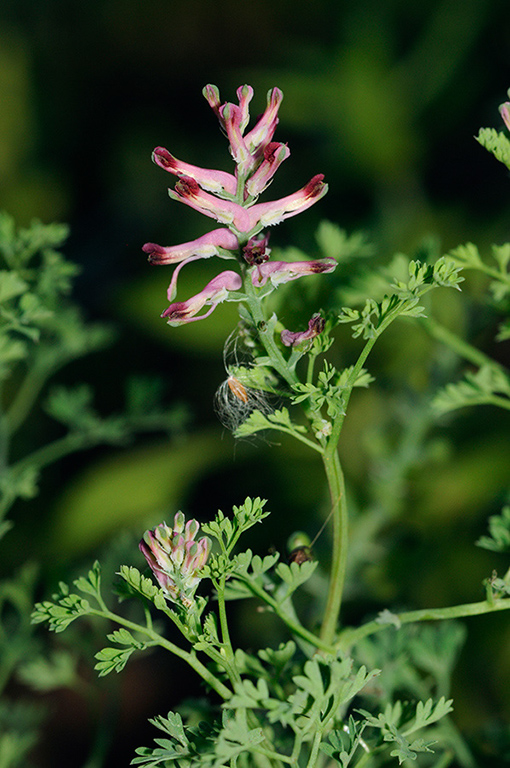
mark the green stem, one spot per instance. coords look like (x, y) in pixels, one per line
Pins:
(310, 368)
(274, 755)
(350, 636)
(299, 436)
(295, 627)
(227, 650)
(500, 402)
(336, 485)
(56, 450)
(189, 658)
(458, 345)
(500, 277)
(315, 749)
(27, 394)
(222, 611)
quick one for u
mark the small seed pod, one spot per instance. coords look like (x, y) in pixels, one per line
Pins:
(301, 555)
(299, 546)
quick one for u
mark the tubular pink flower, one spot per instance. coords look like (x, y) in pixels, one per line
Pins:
(232, 119)
(188, 191)
(256, 217)
(262, 133)
(218, 182)
(274, 155)
(175, 559)
(245, 95)
(268, 214)
(284, 271)
(213, 243)
(216, 291)
(212, 96)
(292, 338)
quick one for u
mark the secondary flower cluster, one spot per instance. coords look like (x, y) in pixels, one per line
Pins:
(231, 199)
(175, 557)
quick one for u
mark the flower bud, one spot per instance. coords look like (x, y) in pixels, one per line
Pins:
(175, 559)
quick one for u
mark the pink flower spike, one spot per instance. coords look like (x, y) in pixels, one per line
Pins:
(245, 95)
(263, 131)
(219, 182)
(274, 155)
(213, 243)
(505, 113)
(292, 338)
(284, 271)
(216, 291)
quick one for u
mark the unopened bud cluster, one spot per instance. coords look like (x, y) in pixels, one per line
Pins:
(176, 558)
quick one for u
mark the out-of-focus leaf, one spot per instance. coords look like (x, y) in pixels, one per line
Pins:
(143, 301)
(129, 487)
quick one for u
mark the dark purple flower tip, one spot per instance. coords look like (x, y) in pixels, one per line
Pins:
(163, 158)
(272, 149)
(314, 186)
(187, 187)
(179, 310)
(319, 267)
(156, 254)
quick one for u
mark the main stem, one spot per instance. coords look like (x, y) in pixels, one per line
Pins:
(266, 335)
(336, 485)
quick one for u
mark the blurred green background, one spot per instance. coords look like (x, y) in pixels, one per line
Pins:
(382, 96)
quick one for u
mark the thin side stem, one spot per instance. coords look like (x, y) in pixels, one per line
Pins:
(73, 441)
(186, 656)
(228, 660)
(300, 437)
(274, 755)
(458, 345)
(294, 625)
(349, 637)
(27, 394)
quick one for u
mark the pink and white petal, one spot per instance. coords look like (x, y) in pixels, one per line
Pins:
(209, 179)
(211, 244)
